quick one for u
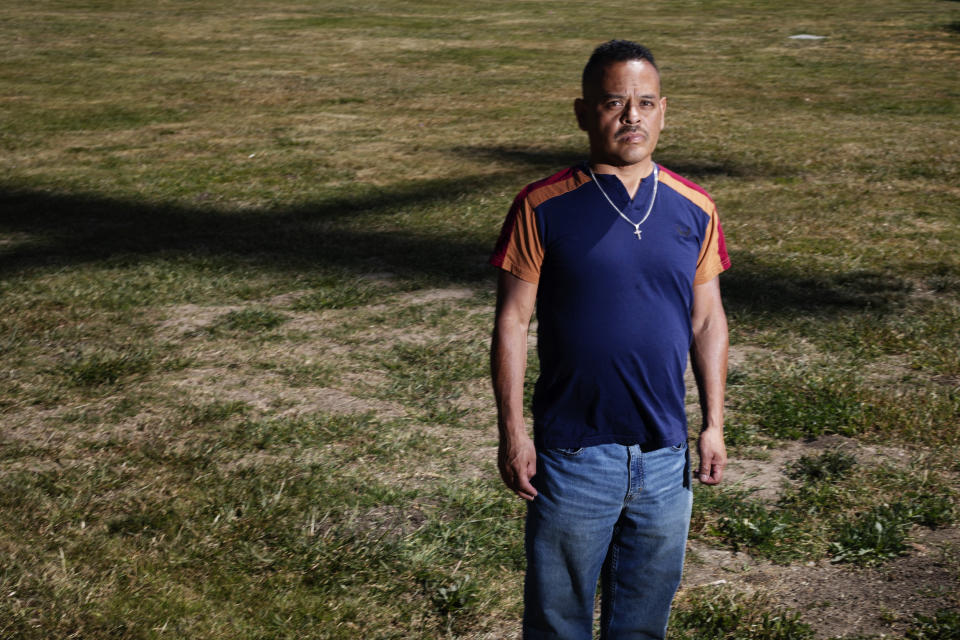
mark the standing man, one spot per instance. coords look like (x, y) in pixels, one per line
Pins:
(620, 257)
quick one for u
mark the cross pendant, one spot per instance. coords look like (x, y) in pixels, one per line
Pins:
(637, 233)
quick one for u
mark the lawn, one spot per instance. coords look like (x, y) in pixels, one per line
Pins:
(245, 310)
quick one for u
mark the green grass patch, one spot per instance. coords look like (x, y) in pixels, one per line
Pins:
(721, 614)
(251, 320)
(804, 406)
(343, 292)
(94, 368)
(881, 533)
(830, 511)
(308, 373)
(943, 625)
(874, 536)
(742, 522)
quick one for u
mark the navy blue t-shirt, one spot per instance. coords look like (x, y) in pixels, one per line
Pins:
(613, 310)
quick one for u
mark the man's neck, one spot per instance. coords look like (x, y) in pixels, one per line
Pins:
(630, 175)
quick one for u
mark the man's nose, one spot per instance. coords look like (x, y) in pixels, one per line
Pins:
(630, 114)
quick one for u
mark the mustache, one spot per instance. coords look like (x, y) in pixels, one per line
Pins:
(622, 131)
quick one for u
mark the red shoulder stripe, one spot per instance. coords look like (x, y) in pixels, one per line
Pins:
(511, 221)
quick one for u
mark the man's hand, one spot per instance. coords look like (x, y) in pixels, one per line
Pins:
(517, 460)
(713, 455)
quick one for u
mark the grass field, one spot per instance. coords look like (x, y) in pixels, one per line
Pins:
(245, 310)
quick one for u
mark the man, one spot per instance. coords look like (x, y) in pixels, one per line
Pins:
(620, 257)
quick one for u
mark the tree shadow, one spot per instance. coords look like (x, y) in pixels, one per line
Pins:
(359, 233)
(344, 233)
(757, 287)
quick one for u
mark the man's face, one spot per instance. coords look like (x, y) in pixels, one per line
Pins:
(622, 113)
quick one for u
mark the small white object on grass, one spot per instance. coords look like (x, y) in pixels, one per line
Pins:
(806, 36)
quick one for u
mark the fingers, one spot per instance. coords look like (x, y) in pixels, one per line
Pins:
(518, 464)
(517, 478)
(713, 456)
(711, 474)
(711, 468)
(524, 489)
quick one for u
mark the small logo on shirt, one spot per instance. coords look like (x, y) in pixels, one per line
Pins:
(684, 231)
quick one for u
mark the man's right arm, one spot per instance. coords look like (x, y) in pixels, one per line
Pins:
(517, 458)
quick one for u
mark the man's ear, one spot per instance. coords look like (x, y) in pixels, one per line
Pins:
(579, 110)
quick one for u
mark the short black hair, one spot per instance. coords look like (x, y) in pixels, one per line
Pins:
(614, 51)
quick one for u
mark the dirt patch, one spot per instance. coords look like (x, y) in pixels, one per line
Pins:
(839, 600)
(477, 397)
(185, 319)
(265, 391)
(765, 477)
(388, 521)
(842, 600)
(436, 295)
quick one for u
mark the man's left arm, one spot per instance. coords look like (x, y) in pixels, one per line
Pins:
(708, 354)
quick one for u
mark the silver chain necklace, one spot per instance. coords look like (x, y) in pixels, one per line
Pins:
(636, 225)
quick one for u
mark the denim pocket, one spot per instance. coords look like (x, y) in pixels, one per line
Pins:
(570, 453)
(679, 447)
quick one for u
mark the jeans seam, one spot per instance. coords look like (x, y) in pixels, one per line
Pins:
(611, 589)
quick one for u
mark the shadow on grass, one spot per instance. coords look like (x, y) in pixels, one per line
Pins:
(756, 287)
(346, 233)
(374, 230)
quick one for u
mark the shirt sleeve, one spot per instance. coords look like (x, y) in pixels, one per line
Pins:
(713, 258)
(520, 249)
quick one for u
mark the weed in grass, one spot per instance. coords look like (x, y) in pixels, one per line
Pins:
(751, 525)
(943, 625)
(874, 536)
(829, 465)
(455, 596)
(822, 499)
(931, 510)
(742, 522)
(721, 614)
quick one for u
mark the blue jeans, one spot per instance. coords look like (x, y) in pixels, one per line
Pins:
(608, 512)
